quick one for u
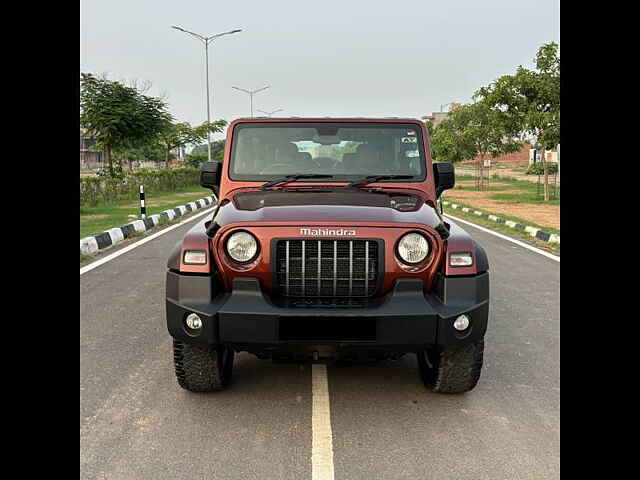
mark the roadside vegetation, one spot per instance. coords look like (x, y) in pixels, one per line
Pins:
(524, 106)
(130, 126)
(97, 219)
(498, 227)
(163, 223)
(511, 199)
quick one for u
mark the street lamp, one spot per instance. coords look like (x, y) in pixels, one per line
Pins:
(270, 113)
(251, 92)
(206, 41)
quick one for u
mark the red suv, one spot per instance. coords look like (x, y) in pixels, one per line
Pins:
(327, 242)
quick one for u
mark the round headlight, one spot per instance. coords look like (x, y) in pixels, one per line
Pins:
(413, 248)
(242, 247)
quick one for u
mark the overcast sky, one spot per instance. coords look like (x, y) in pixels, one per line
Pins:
(322, 58)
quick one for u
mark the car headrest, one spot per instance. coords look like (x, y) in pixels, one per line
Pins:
(287, 152)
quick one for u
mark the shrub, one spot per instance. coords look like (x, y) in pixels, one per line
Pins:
(538, 169)
(196, 160)
(96, 191)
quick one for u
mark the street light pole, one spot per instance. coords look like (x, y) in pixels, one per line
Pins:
(270, 113)
(251, 92)
(206, 41)
(206, 56)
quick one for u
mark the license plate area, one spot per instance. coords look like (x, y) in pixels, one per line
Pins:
(332, 329)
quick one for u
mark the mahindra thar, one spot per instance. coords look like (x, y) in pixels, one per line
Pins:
(327, 242)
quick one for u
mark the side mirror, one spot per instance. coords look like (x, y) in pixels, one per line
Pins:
(444, 176)
(210, 176)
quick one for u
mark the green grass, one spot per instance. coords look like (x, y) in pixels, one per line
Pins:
(95, 220)
(526, 191)
(501, 228)
(86, 258)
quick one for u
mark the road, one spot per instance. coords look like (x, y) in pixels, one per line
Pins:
(136, 423)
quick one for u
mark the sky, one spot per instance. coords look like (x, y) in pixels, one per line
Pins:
(337, 58)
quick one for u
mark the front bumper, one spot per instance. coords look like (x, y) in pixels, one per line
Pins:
(403, 320)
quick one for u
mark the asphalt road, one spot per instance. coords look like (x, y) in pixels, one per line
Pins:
(136, 423)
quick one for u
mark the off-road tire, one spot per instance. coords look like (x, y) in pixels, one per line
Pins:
(201, 367)
(453, 369)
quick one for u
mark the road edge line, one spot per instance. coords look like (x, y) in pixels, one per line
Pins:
(507, 238)
(322, 436)
(128, 248)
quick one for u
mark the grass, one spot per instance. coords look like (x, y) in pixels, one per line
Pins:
(163, 222)
(526, 192)
(501, 228)
(95, 220)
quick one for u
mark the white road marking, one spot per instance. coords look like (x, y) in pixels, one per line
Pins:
(128, 248)
(509, 239)
(322, 444)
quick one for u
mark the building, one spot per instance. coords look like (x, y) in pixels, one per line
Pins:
(90, 156)
(534, 156)
(436, 117)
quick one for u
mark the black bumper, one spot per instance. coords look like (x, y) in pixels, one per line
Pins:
(405, 319)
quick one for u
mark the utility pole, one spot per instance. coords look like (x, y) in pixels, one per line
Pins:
(251, 92)
(206, 41)
(270, 113)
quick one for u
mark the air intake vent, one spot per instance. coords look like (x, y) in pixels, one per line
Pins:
(328, 268)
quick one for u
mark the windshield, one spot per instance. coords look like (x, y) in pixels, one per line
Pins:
(346, 151)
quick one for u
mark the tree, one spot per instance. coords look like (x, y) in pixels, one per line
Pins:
(217, 150)
(119, 117)
(530, 101)
(472, 131)
(174, 135)
(148, 152)
(217, 147)
(447, 144)
(196, 160)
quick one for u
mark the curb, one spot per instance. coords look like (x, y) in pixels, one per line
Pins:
(95, 243)
(534, 232)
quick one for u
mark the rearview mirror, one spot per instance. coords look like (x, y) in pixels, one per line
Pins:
(444, 177)
(209, 176)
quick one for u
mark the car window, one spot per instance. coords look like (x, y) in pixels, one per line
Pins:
(270, 150)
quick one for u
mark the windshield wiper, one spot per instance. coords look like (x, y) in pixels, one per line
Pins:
(375, 178)
(292, 178)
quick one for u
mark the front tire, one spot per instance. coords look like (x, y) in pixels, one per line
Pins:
(202, 367)
(453, 369)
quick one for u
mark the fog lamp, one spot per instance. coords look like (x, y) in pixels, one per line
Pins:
(461, 323)
(193, 321)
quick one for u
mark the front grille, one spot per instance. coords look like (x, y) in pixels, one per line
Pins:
(327, 268)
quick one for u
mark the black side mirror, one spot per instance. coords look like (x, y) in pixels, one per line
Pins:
(210, 176)
(444, 176)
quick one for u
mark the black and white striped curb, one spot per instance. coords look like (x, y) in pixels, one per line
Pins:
(534, 232)
(112, 236)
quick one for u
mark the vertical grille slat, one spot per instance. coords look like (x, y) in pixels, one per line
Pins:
(350, 267)
(287, 267)
(303, 263)
(366, 267)
(327, 268)
(335, 267)
(319, 266)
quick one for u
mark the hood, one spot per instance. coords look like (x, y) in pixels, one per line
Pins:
(327, 206)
